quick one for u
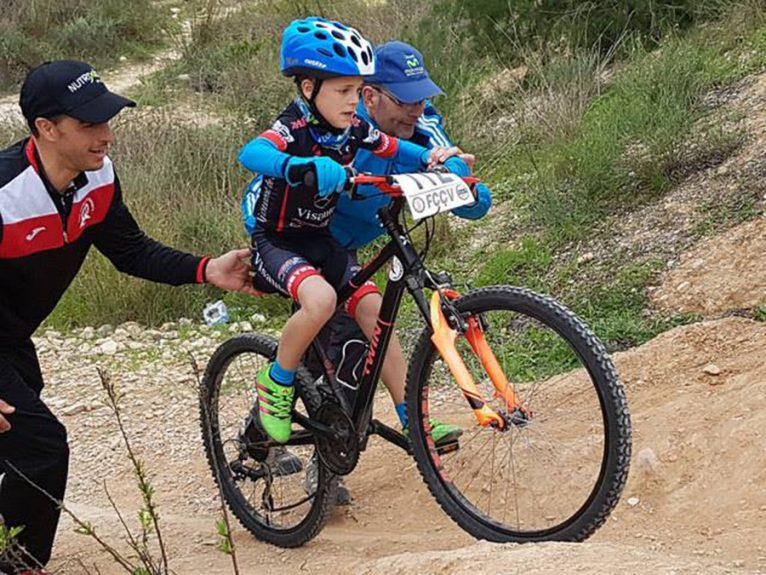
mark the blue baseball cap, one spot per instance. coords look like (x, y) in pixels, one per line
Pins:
(399, 69)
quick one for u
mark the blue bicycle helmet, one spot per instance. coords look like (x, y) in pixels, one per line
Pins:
(324, 49)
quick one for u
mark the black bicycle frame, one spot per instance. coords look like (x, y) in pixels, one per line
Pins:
(411, 279)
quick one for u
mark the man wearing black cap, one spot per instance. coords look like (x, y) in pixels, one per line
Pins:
(59, 195)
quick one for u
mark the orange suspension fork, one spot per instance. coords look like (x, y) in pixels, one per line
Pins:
(444, 339)
(503, 389)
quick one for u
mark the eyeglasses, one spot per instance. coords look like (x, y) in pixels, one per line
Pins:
(396, 100)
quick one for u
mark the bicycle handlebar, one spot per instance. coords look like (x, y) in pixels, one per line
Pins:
(306, 174)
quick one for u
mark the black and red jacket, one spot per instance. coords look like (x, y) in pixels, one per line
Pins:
(45, 236)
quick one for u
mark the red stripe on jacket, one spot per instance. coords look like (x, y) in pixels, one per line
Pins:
(31, 235)
(275, 138)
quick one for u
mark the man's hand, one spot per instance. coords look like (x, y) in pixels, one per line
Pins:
(5, 409)
(469, 159)
(439, 155)
(231, 272)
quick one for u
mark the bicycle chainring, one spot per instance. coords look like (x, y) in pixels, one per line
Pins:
(340, 453)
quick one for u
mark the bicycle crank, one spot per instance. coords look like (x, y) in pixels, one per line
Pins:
(339, 451)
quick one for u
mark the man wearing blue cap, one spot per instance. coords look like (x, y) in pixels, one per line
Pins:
(395, 100)
(60, 196)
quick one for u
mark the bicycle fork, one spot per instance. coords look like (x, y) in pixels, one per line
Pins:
(444, 337)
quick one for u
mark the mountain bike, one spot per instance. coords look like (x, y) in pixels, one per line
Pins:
(546, 434)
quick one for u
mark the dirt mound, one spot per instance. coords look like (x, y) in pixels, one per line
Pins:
(727, 271)
(542, 559)
(722, 273)
(694, 501)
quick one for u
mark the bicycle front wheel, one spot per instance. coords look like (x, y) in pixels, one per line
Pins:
(555, 473)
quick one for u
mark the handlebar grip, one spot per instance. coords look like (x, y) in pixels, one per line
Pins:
(304, 174)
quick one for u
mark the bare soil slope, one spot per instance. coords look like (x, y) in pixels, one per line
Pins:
(695, 504)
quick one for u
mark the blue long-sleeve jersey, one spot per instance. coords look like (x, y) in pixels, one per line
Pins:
(354, 223)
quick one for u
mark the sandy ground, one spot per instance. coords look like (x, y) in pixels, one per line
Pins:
(700, 507)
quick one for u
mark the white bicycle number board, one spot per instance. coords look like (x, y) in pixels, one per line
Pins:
(431, 193)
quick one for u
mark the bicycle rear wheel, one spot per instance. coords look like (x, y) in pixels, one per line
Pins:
(280, 495)
(555, 474)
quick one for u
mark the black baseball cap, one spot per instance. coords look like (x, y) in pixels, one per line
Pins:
(68, 87)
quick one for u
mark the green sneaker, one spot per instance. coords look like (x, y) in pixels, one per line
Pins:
(275, 402)
(441, 432)
(444, 432)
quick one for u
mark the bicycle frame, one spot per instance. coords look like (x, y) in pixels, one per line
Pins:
(399, 247)
(414, 277)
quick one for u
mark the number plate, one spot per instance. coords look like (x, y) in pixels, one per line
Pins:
(430, 193)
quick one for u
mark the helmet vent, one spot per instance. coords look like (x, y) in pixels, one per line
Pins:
(320, 35)
(365, 58)
(303, 29)
(355, 40)
(339, 50)
(338, 35)
(325, 52)
(352, 53)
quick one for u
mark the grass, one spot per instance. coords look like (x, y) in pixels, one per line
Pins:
(525, 266)
(612, 298)
(99, 31)
(581, 135)
(626, 150)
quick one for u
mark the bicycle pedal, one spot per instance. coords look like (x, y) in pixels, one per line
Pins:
(448, 447)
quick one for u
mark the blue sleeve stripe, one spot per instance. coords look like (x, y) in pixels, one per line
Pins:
(432, 128)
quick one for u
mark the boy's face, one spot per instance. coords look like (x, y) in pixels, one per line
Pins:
(337, 100)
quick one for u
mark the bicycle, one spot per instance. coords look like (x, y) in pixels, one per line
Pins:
(546, 442)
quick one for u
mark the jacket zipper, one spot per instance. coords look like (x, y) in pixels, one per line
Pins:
(67, 198)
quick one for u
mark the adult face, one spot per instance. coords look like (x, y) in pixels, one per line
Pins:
(392, 116)
(79, 146)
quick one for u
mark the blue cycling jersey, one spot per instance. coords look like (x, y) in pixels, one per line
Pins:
(270, 203)
(355, 223)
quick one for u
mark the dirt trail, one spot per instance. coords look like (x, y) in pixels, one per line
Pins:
(701, 508)
(119, 80)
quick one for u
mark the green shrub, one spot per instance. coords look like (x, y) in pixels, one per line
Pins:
(509, 28)
(525, 266)
(99, 31)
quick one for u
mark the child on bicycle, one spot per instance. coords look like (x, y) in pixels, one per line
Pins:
(293, 251)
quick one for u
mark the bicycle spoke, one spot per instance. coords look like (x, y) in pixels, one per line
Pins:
(540, 471)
